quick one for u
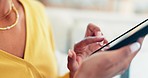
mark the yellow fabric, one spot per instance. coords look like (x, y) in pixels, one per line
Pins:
(65, 76)
(39, 59)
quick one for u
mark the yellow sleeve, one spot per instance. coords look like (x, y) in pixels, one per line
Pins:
(51, 38)
(65, 76)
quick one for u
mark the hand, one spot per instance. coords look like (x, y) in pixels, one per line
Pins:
(109, 63)
(93, 40)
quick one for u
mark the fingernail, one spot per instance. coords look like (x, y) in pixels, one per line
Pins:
(102, 43)
(105, 48)
(135, 47)
(101, 36)
(99, 33)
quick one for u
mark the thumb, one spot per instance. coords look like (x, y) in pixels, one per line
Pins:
(124, 52)
(124, 56)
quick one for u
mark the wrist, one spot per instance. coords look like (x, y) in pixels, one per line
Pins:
(72, 74)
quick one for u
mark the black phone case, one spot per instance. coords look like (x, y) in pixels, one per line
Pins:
(131, 39)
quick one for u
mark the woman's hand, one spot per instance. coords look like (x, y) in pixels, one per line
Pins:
(108, 64)
(93, 40)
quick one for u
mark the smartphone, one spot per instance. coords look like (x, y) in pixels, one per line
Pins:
(128, 37)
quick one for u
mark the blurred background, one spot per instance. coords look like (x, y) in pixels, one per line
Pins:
(69, 19)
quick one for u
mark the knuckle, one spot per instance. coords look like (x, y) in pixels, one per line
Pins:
(126, 51)
(106, 60)
(83, 64)
(111, 64)
(89, 25)
(107, 63)
(88, 40)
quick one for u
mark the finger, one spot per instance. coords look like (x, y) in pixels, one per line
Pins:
(124, 52)
(104, 43)
(72, 56)
(140, 40)
(87, 41)
(72, 63)
(70, 60)
(98, 34)
(131, 56)
(70, 53)
(92, 30)
(94, 46)
(79, 60)
(123, 57)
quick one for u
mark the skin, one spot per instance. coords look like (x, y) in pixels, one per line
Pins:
(104, 64)
(13, 40)
(9, 38)
(79, 58)
(93, 40)
(2, 10)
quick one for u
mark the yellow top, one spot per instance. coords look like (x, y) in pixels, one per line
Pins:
(39, 59)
